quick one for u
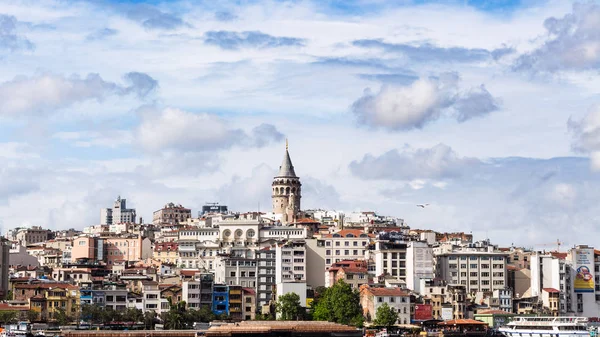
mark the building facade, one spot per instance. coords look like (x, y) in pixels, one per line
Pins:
(171, 214)
(5, 246)
(119, 213)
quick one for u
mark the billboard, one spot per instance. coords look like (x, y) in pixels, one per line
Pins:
(447, 314)
(423, 312)
(584, 271)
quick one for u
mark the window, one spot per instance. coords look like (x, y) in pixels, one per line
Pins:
(379, 299)
(232, 273)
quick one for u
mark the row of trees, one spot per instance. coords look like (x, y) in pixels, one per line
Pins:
(339, 304)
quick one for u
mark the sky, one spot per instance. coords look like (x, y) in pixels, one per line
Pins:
(487, 110)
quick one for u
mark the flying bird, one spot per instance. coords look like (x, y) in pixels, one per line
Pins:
(422, 205)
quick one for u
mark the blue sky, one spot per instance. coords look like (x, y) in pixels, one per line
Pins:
(487, 110)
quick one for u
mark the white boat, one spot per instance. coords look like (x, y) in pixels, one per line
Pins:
(546, 327)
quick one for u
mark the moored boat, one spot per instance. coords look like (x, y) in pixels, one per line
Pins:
(546, 327)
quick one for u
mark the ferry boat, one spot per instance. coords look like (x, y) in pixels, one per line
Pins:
(546, 327)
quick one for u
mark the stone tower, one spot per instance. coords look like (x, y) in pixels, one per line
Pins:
(286, 191)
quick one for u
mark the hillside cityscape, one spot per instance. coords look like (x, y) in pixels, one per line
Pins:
(221, 264)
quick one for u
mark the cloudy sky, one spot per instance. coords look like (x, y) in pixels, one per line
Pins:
(487, 110)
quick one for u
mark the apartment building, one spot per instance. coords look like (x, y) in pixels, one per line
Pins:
(32, 235)
(480, 268)
(166, 252)
(371, 298)
(236, 271)
(265, 284)
(198, 292)
(133, 248)
(249, 303)
(290, 263)
(354, 273)
(347, 244)
(171, 214)
(197, 247)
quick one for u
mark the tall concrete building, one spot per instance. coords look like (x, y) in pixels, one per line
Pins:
(286, 190)
(119, 213)
(4, 263)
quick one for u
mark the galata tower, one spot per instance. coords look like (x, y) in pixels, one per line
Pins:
(286, 191)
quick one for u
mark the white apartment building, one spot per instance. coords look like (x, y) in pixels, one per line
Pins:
(390, 259)
(347, 244)
(198, 247)
(290, 262)
(119, 213)
(236, 271)
(480, 268)
(551, 271)
(419, 264)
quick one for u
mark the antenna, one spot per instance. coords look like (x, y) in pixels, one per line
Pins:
(286, 144)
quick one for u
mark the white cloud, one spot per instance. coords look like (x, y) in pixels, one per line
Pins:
(572, 42)
(424, 101)
(175, 129)
(586, 132)
(49, 92)
(438, 162)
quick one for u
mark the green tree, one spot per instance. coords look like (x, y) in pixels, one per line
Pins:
(149, 319)
(288, 306)
(175, 318)
(7, 317)
(32, 316)
(385, 316)
(133, 315)
(339, 304)
(61, 316)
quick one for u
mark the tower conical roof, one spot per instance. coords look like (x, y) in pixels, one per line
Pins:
(286, 169)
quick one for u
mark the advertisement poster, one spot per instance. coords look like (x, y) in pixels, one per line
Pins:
(423, 312)
(584, 272)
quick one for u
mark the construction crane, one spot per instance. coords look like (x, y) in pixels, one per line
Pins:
(557, 244)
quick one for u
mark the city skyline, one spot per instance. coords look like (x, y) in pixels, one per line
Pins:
(493, 123)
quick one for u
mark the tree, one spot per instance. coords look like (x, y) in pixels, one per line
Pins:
(149, 319)
(32, 316)
(61, 317)
(288, 306)
(385, 316)
(175, 318)
(133, 315)
(339, 304)
(7, 317)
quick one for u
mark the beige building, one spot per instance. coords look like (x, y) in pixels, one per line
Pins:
(286, 191)
(371, 298)
(166, 252)
(28, 236)
(171, 214)
(249, 304)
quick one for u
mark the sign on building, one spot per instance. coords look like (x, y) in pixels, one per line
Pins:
(584, 273)
(447, 314)
(423, 312)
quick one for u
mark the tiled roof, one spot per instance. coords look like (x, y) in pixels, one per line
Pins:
(249, 291)
(45, 286)
(559, 255)
(511, 267)
(462, 322)
(351, 270)
(551, 290)
(345, 232)
(494, 312)
(396, 292)
(6, 306)
(189, 272)
(307, 220)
